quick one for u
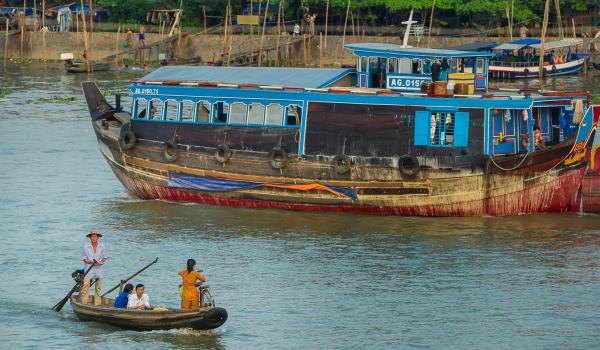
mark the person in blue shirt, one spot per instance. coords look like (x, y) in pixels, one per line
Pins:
(121, 300)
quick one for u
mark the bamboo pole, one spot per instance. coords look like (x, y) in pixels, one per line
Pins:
(34, 15)
(510, 31)
(22, 26)
(180, 19)
(574, 32)
(117, 47)
(262, 36)
(91, 17)
(321, 50)
(352, 22)
(278, 35)
(44, 30)
(430, 23)
(204, 12)
(77, 35)
(230, 35)
(251, 36)
(345, 24)
(225, 30)
(544, 28)
(561, 32)
(6, 41)
(326, 22)
(85, 39)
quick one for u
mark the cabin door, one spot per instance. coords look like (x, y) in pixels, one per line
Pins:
(480, 69)
(504, 131)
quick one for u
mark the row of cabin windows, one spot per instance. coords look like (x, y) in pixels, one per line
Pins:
(219, 112)
(416, 66)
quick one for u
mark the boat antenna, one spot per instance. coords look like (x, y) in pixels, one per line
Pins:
(407, 32)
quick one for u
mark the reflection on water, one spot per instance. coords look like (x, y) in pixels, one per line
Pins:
(289, 280)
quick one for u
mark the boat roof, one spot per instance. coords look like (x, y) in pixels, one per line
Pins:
(476, 46)
(379, 49)
(558, 44)
(300, 77)
(517, 44)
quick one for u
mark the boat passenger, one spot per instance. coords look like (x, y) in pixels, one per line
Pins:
(122, 299)
(525, 142)
(445, 70)
(435, 71)
(538, 138)
(189, 293)
(93, 252)
(139, 300)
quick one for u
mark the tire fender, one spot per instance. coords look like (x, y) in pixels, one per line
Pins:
(278, 158)
(341, 164)
(408, 166)
(169, 151)
(222, 153)
(127, 138)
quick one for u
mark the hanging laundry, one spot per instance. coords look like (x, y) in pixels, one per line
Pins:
(525, 115)
(507, 116)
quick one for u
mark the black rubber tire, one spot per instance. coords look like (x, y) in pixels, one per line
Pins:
(526, 71)
(214, 318)
(169, 151)
(341, 164)
(278, 158)
(127, 138)
(222, 153)
(408, 166)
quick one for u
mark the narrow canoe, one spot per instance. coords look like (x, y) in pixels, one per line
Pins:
(147, 320)
(76, 67)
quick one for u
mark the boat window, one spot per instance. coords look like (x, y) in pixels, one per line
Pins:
(156, 109)
(172, 109)
(203, 111)
(293, 115)
(479, 65)
(417, 66)
(256, 114)
(364, 61)
(441, 128)
(274, 114)
(220, 112)
(393, 65)
(237, 115)
(140, 105)
(404, 65)
(187, 114)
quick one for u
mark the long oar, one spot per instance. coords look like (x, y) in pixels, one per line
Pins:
(62, 303)
(130, 277)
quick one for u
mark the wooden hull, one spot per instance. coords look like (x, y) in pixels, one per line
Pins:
(141, 320)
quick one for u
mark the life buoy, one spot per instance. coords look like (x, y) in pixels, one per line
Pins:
(222, 153)
(127, 138)
(213, 318)
(408, 166)
(169, 151)
(278, 158)
(341, 164)
(554, 68)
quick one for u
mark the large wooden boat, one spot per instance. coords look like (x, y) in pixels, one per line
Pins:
(342, 140)
(147, 320)
(590, 189)
(520, 59)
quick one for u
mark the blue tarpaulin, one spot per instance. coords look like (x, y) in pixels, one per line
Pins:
(197, 183)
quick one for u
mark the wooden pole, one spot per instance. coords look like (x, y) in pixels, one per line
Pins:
(6, 42)
(91, 17)
(44, 30)
(85, 39)
(509, 27)
(544, 28)
(225, 30)
(22, 25)
(34, 15)
(180, 17)
(430, 23)
(345, 24)
(326, 22)
(251, 52)
(204, 12)
(561, 32)
(77, 35)
(230, 35)
(574, 32)
(321, 50)
(352, 22)
(117, 47)
(262, 36)
(278, 35)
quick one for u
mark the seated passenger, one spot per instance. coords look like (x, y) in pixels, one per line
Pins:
(525, 142)
(121, 300)
(538, 138)
(139, 300)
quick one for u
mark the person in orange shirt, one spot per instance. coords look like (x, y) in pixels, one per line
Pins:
(189, 294)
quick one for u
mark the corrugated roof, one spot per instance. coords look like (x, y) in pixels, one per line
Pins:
(416, 52)
(558, 44)
(292, 77)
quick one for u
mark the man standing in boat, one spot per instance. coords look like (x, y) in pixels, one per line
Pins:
(93, 252)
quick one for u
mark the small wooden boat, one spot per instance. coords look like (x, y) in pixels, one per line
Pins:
(80, 66)
(202, 318)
